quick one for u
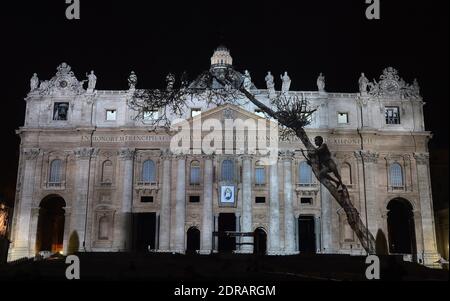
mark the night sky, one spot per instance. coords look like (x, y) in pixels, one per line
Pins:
(301, 37)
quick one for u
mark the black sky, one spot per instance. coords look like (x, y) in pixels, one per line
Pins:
(302, 37)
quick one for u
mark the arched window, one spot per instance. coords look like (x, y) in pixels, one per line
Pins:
(227, 171)
(195, 173)
(305, 173)
(55, 171)
(396, 174)
(107, 171)
(103, 228)
(148, 172)
(346, 174)
(260, 174)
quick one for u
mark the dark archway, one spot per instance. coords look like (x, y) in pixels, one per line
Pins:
(260, 242)
(381, 243)
(227, 222)
(306, 234)
(401, 229)
(192, 240)
(50, 229)
(144, 231)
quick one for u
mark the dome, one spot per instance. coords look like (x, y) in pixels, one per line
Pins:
(221, 58)
(222, 48)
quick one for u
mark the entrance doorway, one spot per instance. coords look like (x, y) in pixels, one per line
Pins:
(192, 240)
(50, 227)
(227, 222)
(144, 231)
(401, 229)
(260, 243)
(306, 234)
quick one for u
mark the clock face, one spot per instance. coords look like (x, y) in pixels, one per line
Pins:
(63, 84)
(391, 87)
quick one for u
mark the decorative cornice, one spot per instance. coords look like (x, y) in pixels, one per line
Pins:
(180, 156)
(166, 154)
(422, 158)
(126, 153)
(286, 155)
(367, 156)
(84, 153)
(30, 153)
(208, 157)
(246, 157)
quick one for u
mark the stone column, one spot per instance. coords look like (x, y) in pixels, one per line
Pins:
(274, 212)
(33, 228)
(418, 232)
(370, 161)
(21, 247)
(207, 214)
(180, 206)
(158, 230)
(246, 203)
(67, 215)
(326, 216)
(122, 239)
(289, 225)
(216, 228)
(239, 239)
(317, 232)
(78, 218)
(164, 232)
(430, 254)
(296, 224)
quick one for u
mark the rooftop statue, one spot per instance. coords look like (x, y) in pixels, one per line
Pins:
(363, 84)
(34, 82)
(170, 80)
(247, 81)
(321, 83)
(270, 85)
(286, 83)
(92, 80)
(132, 80)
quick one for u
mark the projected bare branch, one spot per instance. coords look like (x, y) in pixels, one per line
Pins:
(225, 85)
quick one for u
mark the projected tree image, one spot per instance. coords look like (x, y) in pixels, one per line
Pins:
(222, 85)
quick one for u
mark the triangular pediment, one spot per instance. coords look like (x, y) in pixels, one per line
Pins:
(227, 112)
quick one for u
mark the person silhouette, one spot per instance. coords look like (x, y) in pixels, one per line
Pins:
(327, 164)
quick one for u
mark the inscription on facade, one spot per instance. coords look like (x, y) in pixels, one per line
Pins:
(126, 138)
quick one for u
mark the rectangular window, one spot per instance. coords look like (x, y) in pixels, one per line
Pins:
(195, 112)
(111, 115)
(146, 199)
(392, 115)
(195, 175)
(342, 118)
(60, 110)
(260, 176)
(260, 200)
(194, 199)
(306, 201)
(150, 115)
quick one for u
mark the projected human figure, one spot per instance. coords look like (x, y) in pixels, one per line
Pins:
(327, 165)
